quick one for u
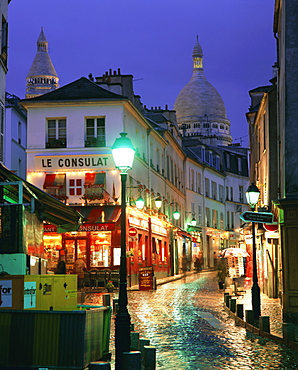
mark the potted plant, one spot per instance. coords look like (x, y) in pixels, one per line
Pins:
(110, 286)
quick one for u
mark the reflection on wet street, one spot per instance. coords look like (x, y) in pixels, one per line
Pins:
(186, 322)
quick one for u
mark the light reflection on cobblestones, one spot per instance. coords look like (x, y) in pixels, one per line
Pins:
(170, 318)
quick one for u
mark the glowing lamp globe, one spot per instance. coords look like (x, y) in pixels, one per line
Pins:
(123, 152)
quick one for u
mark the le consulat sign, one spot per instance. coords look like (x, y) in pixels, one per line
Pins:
(64, 162)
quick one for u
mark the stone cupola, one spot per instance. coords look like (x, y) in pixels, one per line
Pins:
(199, 107)
(42, 76)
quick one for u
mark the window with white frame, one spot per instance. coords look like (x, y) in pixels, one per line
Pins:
(214, 190)
(232, 220)
(221, 222)
(228, 220)
(95, 132)
(241, 200)
(191, 179)
(75, 187)
(56, 133)
(199, 184)
(207, 187)
(221, 193)
(208, 217)
(200, 214)
(240, 165)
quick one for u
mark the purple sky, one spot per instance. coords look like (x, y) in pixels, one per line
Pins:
(152, 40)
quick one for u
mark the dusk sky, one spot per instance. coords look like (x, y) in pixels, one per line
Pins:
(152, 40)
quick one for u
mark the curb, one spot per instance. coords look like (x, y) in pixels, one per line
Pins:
(257, 331)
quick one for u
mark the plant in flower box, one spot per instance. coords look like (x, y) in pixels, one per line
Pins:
(110, 286)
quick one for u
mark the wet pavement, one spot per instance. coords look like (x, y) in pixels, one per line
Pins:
(187, 323)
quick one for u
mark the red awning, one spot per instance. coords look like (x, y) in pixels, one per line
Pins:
(94, 180)
(100, 214)
(54, 181)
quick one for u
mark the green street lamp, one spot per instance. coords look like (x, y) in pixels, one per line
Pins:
(140, 203)
(123, 155)
(252, 196)
(193, 222)
(176, 215)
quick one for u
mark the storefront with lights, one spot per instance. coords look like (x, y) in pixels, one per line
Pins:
(97, 243)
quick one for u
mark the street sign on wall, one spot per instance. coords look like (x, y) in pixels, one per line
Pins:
(260, 217)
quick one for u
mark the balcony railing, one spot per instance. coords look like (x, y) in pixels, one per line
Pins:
(56, 143)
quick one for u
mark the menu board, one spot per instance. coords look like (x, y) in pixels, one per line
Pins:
(146, 278)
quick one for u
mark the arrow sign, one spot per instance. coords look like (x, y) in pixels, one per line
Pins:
(260, 217)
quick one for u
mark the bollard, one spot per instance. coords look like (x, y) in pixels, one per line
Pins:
(227, 299)
(99, 366)
(265, 324)
(154, 284)
(143, 342)
(239, 310)
(106, 300)
(132, 360)
(288, 332)
(115, 305)
(134, 341)
(149, 358)
(232, 305)
(249, 317)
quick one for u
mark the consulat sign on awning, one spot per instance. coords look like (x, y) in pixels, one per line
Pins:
(75, 162)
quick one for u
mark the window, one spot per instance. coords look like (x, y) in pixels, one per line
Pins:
(4, 42)
(95, 186)
(221, 192)
(56, 133)
(207, 187)
(95, 132)
(54, 184)
(227, 193)
(221, 221)
(228, 161)
(214, 218)
(214, 190)
(239, 165)
(231, 192)
(241, 194)
(191, 179)
(232, 220)
(199, 182)
(75, 187)
(200, 214)
(19, 132)
(1, 132)
(208, 217)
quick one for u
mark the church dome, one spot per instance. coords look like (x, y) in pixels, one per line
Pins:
(42, 76)
(199, 97)
(199, 106)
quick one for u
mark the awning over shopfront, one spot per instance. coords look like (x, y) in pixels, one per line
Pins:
(54, 181)
(100, 214)
(49, 208)
(94, 180)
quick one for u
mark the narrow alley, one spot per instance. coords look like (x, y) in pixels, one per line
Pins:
(185, 320)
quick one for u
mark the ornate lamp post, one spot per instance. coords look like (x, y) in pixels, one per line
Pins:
(252, 196)
(123, 155)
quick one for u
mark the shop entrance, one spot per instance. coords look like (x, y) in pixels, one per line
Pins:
(75, 248)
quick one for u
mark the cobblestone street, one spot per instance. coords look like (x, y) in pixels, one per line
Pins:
(185, 320)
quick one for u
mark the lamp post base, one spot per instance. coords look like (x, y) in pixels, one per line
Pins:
(256, 300)
(122, 337)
